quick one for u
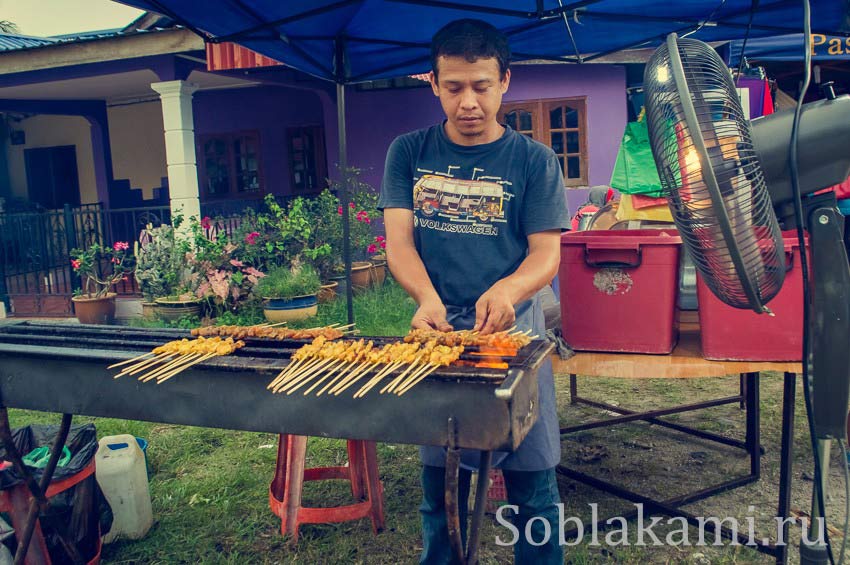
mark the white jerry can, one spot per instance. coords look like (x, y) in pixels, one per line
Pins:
(123, 478)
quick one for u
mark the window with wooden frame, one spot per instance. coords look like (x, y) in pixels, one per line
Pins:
(307, 166)
(560, 124)
(229, 165)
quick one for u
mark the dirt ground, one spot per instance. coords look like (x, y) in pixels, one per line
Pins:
(663, 463)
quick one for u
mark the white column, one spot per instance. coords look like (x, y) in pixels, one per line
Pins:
(176, 99)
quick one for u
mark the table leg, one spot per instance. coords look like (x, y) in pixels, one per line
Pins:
(480, 504)
(753, 439)
(573, 389)
(742, 388)
(789, 398)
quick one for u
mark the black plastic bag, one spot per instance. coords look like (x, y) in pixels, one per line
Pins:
(81, 512)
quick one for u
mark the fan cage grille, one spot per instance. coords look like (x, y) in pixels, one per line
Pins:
(730, 154)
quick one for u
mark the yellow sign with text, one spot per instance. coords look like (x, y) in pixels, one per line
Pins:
(825, 45)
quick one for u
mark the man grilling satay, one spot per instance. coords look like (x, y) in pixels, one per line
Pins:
(473, 213)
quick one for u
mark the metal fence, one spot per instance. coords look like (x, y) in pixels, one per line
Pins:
(35, 247)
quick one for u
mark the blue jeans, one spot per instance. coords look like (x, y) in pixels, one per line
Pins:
(534, 492)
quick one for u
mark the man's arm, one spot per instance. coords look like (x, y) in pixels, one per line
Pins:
(494, 311)
(407, 268)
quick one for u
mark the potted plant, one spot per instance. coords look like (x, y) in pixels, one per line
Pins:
(156, 265)
(327, 213)
(289, 293)
(99, 269)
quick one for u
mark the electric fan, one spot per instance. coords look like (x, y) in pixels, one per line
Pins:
(725, 180)
(710, 173)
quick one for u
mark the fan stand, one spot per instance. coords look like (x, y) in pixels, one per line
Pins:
(829, 355)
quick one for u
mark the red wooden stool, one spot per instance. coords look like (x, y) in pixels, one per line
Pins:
(289, 477)
(16, 502)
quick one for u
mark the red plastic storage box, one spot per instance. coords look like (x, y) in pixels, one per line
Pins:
(731, 334)
(618, 290)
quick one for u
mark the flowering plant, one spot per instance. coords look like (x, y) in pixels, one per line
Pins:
(378, 246)
(101, 267)
(224, 280)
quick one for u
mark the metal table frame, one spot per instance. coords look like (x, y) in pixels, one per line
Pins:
(748, 398)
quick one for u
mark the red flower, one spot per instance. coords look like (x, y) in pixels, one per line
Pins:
(351, 205)
(75, 263)
(121, 246)
(251, 238)
(383, 245)
(206, 223)
(339, 210)
(380, 238)
(372, 248)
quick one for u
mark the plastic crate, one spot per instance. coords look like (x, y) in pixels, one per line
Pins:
(732, 334)
(619, 290)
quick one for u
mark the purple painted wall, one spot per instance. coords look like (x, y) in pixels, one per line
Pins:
(268, 110)
(375, 118)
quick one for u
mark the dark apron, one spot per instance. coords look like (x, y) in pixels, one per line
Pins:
(541, 448)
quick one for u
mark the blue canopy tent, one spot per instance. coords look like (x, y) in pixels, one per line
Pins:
(349, 41)
(789, 47)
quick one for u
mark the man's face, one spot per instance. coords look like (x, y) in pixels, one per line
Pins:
(471, 94)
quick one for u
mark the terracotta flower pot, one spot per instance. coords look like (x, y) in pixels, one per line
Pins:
(378, 274)
(90, 310)
(328, 292)
(290, 309)
(361, 275)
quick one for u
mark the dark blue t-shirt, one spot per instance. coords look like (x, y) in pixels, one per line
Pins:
(474, 206)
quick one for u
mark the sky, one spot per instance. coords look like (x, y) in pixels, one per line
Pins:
(56, 17)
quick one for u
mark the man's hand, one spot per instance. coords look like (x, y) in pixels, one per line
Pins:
(431, 316)
(494, 311)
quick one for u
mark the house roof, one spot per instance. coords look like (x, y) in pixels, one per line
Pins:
(13, 41)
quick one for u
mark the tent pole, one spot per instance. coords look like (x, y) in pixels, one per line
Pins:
(343, 198)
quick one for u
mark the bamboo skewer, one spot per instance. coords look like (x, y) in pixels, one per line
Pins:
(419, 379)
(315, 373)
(129, 361)
(287, 376)
(181, 360)
(327, 375)
(286, 370)
(301, 375)
(376, 379)
(162, 378)
(141, 364)
(396, 381)
(412, 377)
(347, 381)
(354, 375)
(344, 374)
(164, 358)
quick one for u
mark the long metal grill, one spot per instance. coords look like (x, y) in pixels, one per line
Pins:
(63, 368)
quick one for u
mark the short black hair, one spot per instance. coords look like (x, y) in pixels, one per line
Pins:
(472, 40)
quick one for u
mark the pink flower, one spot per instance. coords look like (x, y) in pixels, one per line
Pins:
(372, 248)
(351, 205)
(121, 246)
(251, 238)
(363, 216)
(75, 263)
(115, 260)
(339, 210)
(383, 245)
(380, 238)
(206, 223)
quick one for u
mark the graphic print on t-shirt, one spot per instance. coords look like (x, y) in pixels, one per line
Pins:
(470, 206)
